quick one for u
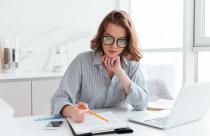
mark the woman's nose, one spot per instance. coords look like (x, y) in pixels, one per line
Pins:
(114, 45)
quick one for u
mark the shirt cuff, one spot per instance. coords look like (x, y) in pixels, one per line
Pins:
(59, 105)
(137, 97)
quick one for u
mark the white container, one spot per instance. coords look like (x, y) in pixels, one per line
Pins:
(9, 53)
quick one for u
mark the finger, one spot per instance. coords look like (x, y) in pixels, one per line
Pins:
(105, 61)
(103, 58)
(117, 60)
(113, 61)
(83, 105)
(78, 111)
(79, 118)
(83, 111)
(109, 62)
(80, 103)
(86, 105)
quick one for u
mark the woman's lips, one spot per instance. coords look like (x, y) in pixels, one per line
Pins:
(113, 52)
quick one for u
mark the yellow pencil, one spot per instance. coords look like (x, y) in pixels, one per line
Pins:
(98, 116)
(91, 112)
(154, 109)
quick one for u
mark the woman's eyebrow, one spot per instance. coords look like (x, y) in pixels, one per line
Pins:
(108, 34)
(124, 37)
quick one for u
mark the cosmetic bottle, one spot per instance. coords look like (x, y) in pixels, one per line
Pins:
(58, 60)
(9, 54)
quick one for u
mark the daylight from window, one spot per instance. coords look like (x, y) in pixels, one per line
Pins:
(207, 18)
(159, 22)
(159, 25)
(203, 66)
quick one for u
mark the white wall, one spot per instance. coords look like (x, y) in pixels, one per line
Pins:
(43, 25)
(57, 12)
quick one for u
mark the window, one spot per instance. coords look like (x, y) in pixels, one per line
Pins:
(202, 23)
(159, 26)
(202, 39)
(203, 66)
(175, 38)
(159, 22)
(164, 66)
(207, 18)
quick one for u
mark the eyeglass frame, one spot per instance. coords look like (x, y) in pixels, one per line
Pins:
(115, 39)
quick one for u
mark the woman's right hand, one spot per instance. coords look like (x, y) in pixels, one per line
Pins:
(75, 112)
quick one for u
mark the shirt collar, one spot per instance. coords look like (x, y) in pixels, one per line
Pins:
(96, 59)
(124, 62)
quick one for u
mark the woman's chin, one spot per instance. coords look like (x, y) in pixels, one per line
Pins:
(111, 55)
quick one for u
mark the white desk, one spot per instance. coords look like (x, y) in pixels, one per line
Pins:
(25, 127)
(6, 116)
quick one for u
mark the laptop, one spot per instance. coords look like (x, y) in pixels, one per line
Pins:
(191, 104)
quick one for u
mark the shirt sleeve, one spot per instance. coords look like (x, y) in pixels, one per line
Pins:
(68, 88)
(137, 95)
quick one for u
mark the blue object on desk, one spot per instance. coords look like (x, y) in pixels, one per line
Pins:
(52, 117)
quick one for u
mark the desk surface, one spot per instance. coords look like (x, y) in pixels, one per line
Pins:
(27, 126)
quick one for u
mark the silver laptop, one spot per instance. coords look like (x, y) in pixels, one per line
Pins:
(191, 104)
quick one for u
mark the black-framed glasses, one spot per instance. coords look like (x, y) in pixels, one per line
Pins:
(109, 40)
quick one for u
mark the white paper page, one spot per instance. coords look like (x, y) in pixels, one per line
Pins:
(162, 104)
(93, 124)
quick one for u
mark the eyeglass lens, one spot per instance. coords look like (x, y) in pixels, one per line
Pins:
(109, 40)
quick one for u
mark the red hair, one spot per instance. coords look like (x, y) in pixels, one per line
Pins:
(131, 52)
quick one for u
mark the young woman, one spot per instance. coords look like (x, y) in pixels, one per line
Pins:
(108, 76)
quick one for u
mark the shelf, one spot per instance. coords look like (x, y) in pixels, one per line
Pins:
(14, 76)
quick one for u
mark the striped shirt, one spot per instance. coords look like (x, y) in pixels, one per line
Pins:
(86, 80)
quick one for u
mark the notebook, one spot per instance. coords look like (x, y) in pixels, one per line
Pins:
(93, 125)
(161, 104)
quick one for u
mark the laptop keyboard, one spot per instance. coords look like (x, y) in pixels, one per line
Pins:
(157, 121)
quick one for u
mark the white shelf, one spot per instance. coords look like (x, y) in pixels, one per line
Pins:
(14, 76)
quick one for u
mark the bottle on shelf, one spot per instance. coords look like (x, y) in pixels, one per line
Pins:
(59, 60)
(9, 54)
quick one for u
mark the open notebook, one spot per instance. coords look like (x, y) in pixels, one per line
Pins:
(93, 125)
(161, 104)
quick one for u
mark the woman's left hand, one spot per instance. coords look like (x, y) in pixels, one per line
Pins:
(112, 64)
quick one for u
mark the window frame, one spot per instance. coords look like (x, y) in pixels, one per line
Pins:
(190, 57)
(200, 40)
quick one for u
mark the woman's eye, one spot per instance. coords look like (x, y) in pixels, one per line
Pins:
(122, 42)
(108, 40)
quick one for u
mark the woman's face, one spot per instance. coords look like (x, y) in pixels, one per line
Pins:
(113, 37)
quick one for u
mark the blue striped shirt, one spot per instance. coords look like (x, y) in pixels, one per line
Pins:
(87, 80)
